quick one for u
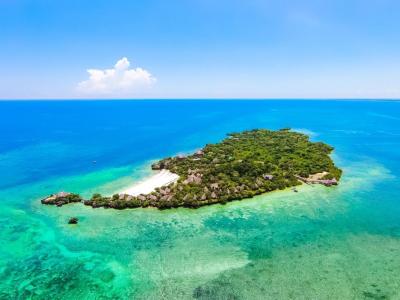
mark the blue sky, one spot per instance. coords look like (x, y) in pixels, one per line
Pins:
(200, 48)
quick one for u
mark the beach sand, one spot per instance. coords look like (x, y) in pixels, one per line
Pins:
(162, 178)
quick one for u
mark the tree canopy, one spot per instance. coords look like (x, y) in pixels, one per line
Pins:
(241, 166)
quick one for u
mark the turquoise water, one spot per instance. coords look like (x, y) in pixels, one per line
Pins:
(320, 243)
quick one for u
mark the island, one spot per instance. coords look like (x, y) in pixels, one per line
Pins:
(241, 166)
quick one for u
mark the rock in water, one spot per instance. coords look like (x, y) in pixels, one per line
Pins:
(61, 198)
(73, 221)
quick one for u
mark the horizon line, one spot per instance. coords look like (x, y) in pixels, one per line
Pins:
(196, 99)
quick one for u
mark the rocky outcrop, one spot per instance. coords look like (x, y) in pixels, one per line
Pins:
(61, 199)
(156, 166)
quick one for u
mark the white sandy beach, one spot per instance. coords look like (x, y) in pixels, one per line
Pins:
(162, 178)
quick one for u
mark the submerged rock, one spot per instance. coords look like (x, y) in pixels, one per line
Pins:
(73, 221)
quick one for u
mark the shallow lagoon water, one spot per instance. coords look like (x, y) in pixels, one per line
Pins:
(319, 243)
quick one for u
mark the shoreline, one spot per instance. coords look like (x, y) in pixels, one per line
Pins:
(149, 184)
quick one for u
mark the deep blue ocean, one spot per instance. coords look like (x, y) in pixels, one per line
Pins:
(320, 243)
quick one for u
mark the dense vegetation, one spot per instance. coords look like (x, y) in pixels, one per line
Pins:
(241, 166)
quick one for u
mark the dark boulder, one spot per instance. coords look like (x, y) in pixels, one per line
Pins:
(73, 221)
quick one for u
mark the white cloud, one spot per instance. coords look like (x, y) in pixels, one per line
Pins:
(120, 80)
